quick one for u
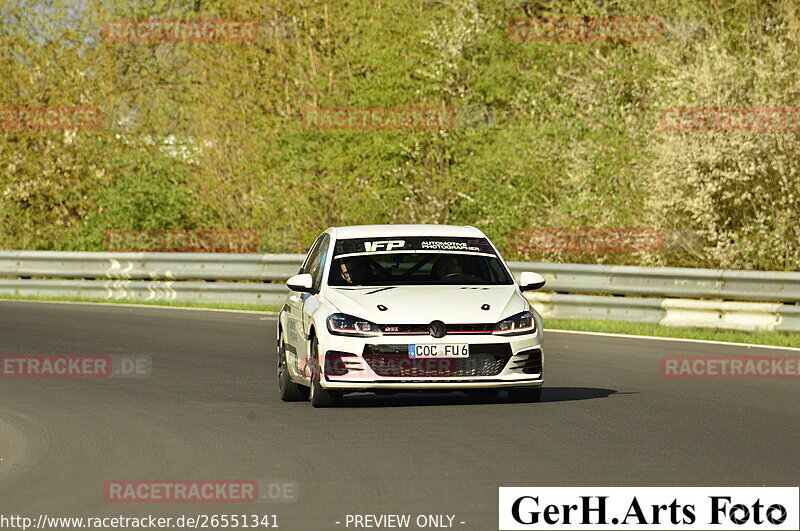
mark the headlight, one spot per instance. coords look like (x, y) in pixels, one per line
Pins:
(342, 324)
(522, 323)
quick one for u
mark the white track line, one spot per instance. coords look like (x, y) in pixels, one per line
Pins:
(706, 341)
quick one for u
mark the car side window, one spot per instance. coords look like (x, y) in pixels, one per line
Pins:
(315, 268)
(311, 256)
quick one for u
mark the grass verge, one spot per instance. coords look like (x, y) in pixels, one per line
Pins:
(780, 339)
(173, 304)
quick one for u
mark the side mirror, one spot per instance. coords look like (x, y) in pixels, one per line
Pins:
(529, 281)
(302, 282)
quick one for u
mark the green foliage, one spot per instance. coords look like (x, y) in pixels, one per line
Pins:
(143, 189)
(211, 135)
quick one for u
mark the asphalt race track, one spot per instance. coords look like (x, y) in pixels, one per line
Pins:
(210, 410)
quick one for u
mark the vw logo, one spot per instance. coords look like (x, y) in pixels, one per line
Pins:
(437, 329)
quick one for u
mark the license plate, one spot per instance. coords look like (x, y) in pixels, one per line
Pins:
(460, 350)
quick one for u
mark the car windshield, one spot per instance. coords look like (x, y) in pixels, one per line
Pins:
(417, 268)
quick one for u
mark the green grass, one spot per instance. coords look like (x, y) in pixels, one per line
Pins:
(781, 339)
(174, 304)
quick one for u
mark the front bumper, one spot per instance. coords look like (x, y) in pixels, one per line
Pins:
(496, 362)
(454, 384)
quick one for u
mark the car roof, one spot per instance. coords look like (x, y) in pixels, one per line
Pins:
(387, 231)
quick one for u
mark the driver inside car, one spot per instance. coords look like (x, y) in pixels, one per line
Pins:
(352, 270)
(446, 265)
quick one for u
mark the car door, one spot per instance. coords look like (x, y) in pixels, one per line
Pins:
(300, 307)
(295, 336)
(309, 302)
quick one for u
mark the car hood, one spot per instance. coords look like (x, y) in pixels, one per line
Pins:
(423, 304)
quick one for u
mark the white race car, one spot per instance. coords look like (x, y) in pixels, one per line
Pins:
(392, 308)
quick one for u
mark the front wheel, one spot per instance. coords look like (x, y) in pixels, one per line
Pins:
(525, 394)
(287, 389)
(320, 397)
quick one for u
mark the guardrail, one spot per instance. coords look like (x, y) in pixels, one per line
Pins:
(779, 286)
(671, 296)
(149, 266)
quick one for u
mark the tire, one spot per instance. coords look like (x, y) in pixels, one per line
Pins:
(287, 389)
(525, 394)
(320, 397)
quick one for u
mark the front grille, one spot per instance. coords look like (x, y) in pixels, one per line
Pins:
(405, 329)
(470, 328)
(422, 329)
(393, 361)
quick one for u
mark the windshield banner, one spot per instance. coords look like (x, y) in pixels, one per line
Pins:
(412, 243)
